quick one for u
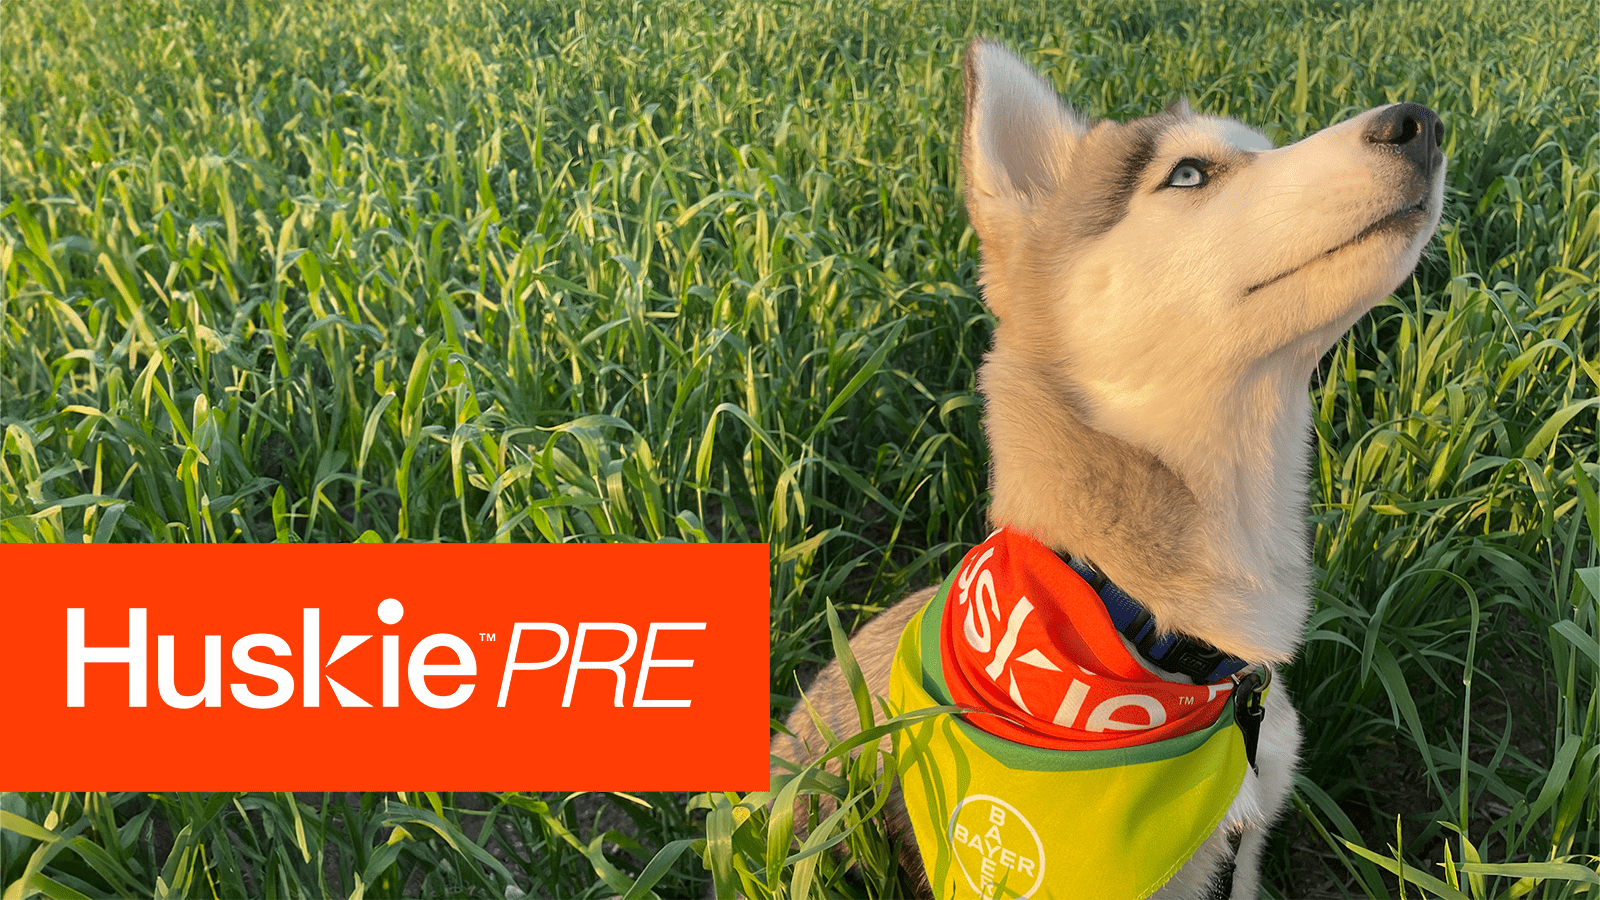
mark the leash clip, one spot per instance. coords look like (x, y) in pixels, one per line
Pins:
(1248, 709)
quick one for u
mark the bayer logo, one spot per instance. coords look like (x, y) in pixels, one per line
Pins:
(997, 849)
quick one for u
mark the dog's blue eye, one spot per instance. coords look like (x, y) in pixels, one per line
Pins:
(1187, 175)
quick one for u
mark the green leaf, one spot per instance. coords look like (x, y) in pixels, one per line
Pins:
(1409, 873)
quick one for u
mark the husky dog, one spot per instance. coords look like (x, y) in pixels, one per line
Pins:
(1163, 291)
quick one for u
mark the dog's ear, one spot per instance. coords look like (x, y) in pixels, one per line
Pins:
(1015, 148)
(1180, 108)
(1018, 132)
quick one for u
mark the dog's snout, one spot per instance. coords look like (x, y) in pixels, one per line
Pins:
(1411, 128)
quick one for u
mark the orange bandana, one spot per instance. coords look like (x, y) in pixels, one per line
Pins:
(1025, 637)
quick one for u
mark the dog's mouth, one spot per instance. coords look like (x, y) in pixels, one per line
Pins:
(1405, 220)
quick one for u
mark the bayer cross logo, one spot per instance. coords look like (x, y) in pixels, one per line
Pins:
(997, 849)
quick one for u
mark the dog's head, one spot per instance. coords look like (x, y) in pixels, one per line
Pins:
(1179, 252)
(1164, 290)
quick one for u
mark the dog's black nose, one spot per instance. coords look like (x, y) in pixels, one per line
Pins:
(1411, 128)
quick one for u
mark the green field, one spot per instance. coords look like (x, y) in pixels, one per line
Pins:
(476, 270)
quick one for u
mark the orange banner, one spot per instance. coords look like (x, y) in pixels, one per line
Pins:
(380, 667)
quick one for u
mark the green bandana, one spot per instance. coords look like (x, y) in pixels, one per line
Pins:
(996, 819)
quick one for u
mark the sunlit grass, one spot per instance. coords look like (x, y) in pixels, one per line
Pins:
(680, 271)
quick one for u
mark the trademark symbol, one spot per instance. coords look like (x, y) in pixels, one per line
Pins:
(486, 637)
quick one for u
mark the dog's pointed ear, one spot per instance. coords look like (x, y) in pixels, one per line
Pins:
(1179, 108)
(1018, 132)
(1015, 148)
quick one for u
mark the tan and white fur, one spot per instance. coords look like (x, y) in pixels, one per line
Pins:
(1163, 291)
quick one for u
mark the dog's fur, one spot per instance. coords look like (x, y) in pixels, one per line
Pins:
(1146, 396)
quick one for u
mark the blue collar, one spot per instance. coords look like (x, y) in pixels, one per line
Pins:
(1176, 653)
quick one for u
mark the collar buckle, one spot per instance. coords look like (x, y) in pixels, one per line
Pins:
(1194, 658)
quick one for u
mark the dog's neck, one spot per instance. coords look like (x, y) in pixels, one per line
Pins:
(1203, 521)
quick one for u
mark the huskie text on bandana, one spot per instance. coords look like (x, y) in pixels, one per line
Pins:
(1024, 636)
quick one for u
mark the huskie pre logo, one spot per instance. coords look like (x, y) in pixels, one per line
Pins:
(135, 656)
(372, 667)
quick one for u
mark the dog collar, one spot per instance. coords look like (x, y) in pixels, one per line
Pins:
(1177, 653)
